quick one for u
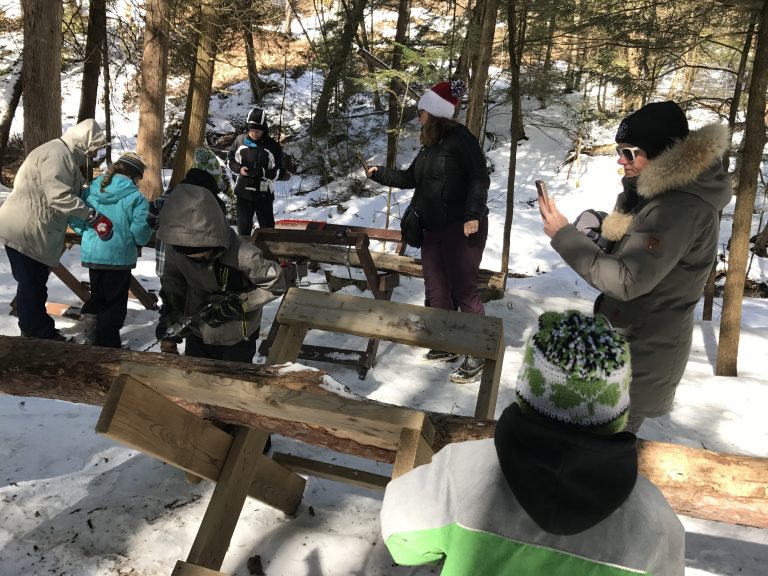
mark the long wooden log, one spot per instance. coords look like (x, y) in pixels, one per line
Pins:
(699, 483)
(490, 282)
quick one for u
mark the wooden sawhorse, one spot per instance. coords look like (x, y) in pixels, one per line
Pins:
(478, 336)
(380, 284)
(139, 412)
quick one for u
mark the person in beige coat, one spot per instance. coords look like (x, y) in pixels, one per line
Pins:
(657, 247)
(33, 219)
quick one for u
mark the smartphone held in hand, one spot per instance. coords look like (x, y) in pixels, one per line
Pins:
(541, 188)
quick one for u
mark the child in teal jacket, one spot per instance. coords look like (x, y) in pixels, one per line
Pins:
(110, 262)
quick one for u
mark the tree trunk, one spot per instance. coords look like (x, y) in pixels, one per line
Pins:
(41, 72)
(709, 287)
(97, 34)
(366, 45)
(321, 124)
(698, 483)
(480, 63)
(107, 104)
(200, 87)
(396, 95)
(546, 68)
(517, 16)
(471, 40)
(154, 69)
(15, 86)
(739, 80)
(258, 86)
(751, 158)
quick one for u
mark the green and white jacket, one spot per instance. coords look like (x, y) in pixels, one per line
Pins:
(539, 502)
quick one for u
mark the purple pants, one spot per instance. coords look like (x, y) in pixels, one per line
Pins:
(451, 263)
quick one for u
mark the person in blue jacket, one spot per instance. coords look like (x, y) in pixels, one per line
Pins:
(110, 262)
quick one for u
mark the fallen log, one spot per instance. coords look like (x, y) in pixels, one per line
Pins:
(699, 483)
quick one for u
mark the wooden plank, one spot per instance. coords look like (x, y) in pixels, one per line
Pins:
(369, 269)
(413, 451)
(141, 418)
(184, 569)
(287, 344)
(489, 383)
(146, 299)
(343, 357)
(490, 282)
(332, 472)
(388, 282)
(335, 255)
(130, 407)
(372, 424)
(394, 321)
(220, 519)
(71, 282)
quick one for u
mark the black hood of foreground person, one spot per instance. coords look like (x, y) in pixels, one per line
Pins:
(566, 480)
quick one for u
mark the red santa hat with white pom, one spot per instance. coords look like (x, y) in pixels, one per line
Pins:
(441, 100)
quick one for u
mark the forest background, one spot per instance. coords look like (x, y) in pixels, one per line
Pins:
(367, 58)
(377, 56)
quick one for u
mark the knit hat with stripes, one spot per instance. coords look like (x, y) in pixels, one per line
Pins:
(134, 162)
(576, 372)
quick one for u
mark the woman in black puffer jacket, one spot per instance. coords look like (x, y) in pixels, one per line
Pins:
(451, 190)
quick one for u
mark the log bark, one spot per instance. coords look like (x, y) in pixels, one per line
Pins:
(698, 483)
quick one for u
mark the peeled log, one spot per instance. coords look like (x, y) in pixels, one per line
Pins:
(697, 483)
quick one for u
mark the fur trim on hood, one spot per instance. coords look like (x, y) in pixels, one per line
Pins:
(674, 169)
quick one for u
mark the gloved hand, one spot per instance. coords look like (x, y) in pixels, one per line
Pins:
(100, 223)
(590, 223)
(229, 307)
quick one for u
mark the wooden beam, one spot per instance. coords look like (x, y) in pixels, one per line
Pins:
(146, 299)
(71, 282)
(706, 484)
(139, 417)
(489, 383)
(287, 344)
(184, 569)
(737, 494)
(371, 424)
(332, 472)
(413, 451)
(220, 519)
(334, 255)
(392, 321)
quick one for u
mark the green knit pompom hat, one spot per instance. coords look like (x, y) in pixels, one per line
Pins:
(205, 159)
(576, 371)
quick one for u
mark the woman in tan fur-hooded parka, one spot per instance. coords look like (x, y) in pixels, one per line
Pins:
(657, 246)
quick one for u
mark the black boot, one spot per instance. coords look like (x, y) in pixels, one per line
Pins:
(469, 371)
(441, 355)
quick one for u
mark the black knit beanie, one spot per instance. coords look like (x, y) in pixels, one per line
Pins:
(654, 128)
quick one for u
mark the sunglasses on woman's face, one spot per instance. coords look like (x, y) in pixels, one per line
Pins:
(629, 152)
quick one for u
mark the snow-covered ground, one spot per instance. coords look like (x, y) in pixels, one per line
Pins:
(74, 503)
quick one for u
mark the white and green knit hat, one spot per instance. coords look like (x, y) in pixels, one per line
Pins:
(576, 371)
(205, 159)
